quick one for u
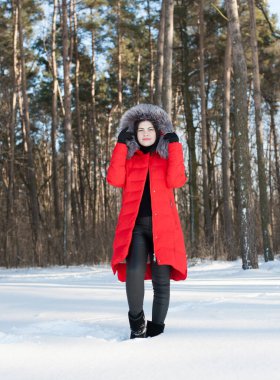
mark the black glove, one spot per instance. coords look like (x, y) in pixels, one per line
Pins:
(171, 137)
(124, 136)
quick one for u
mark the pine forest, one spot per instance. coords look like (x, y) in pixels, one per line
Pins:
(69, 69)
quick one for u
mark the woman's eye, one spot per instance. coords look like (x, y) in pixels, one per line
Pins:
(149, 130)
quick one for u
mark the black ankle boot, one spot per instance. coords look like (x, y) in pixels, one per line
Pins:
(154, 329)
(137, 325)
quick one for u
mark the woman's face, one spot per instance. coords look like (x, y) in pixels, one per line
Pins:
(146, 133)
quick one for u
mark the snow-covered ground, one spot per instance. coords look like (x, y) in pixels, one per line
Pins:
(71, 323)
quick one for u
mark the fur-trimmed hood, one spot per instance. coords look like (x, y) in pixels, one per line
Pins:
(147, 112)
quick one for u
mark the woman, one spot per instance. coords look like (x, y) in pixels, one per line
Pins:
(147, 162)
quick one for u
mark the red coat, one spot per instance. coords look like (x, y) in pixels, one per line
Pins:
(165, 174)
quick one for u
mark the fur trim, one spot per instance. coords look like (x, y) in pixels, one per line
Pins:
(147, 112)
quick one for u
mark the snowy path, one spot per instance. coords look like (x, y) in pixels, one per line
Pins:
(71, 323)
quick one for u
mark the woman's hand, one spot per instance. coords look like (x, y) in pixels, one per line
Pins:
(124, 136)
(171, 137)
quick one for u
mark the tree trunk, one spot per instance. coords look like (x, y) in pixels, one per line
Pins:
(246, 215)
(273, 203)
(151, 56)
(31, 178)
(228, 222)
(137, 100)
(9, 243)
(276, 147)
(207, 213)
(168, 50)
(191, 140)
(55, 123)
(193, 165)
(78, 119)
(160, 56)
(68, 148)
(120, 100)
(264, 207)
(94, 133)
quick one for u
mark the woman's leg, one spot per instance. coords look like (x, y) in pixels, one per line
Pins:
(161, 286)
(136, 262)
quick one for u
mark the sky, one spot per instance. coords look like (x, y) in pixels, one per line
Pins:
(274, 6)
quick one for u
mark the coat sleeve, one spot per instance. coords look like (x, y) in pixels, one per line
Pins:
(116, 172)
(175, 176)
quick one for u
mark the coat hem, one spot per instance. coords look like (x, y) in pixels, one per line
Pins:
(175, 274)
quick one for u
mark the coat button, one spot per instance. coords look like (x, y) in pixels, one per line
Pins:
(155, 213)
(154, 191)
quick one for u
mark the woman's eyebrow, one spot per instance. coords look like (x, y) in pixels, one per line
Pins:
(141, 128)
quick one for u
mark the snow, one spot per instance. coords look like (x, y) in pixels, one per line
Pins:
(71, 323)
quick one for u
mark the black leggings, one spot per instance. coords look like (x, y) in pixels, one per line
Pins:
(141, 246)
